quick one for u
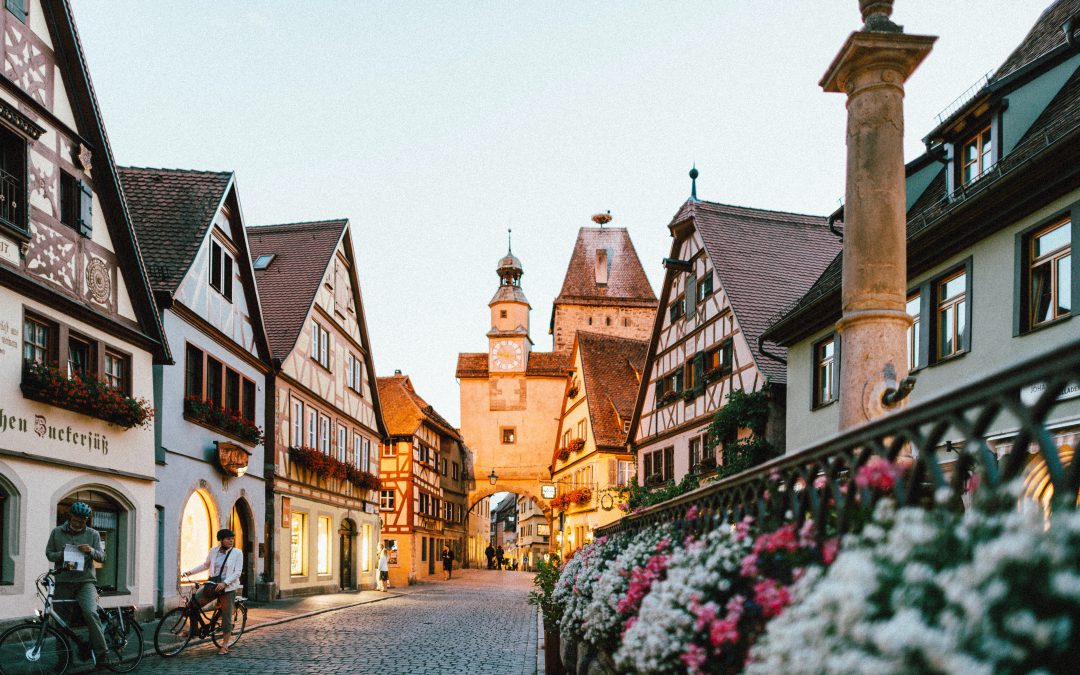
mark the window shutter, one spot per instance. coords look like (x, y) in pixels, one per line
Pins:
(691, 294)
(226, 282)
(612, 471)
(699, 373)
(659, 393)
(836, 367)
(17, 7)
(314, 340)
(86, 209)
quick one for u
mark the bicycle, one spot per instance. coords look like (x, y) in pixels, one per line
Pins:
(44, 644)
(177, 628)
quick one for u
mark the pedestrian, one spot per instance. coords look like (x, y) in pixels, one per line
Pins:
(73, 548)
(525, 562)
(447, 562)
(490, 553)
(384, 570)
(226, 564)
(500, 557)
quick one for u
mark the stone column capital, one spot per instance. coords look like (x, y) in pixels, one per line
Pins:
(871, 58)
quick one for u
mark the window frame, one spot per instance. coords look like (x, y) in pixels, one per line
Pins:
(932, 312)
(916, 338)
(986, 131)
(320, 345)
(244, 385)
(816, 403)
(704, 286)
(20, 151)
(1022, 301)
(221, 268)
(57, 349)
(298, 565)
(387, 500)
(512, 435)
(296, 425)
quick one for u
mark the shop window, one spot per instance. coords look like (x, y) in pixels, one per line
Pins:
(825, 372)
(111, 520)
(325, 554)
(1047, 292)
(297, 544)
(197, 530)
(365, 548)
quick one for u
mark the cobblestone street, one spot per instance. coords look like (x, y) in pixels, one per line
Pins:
(477, 623)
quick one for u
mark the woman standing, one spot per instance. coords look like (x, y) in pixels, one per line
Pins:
(447, 561)
(384, 570)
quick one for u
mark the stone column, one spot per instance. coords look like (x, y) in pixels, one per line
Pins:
(871, 69)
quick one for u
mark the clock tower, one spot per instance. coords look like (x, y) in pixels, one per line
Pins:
(508, 340)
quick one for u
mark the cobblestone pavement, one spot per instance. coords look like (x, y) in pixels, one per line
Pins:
(477, 623)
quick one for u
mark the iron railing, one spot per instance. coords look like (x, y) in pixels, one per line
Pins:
(9, 199)
(962, 100)
(991, 431)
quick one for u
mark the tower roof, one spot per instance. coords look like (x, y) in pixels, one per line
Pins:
(622, 283)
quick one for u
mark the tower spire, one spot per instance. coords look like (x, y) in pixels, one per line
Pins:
(693, 182)
(509, 242)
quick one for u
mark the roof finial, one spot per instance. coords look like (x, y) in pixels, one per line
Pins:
(693, 182)
(509, 247)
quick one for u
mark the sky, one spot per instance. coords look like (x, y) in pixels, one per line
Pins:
(436, 126)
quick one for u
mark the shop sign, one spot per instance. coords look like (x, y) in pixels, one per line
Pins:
(286, 512)
(1030, 394)
(431, 524)
(67, 435)
(547, 491)
(231, 458)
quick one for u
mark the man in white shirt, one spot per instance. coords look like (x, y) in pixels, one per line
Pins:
(225, 563)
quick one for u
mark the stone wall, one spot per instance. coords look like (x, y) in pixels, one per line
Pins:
(628, 322)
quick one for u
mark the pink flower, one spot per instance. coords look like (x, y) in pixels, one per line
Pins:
(820, 482)
(703, 614)
(723, 631)
(829, 550)
(771, 596)
(878, 474)
(694, 658)
(641, 580)
(692, 512)
(624, 507)
(749, 566)
(742, 528)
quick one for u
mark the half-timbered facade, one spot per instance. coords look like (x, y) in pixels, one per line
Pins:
(591, 460)
(419, 514)
(327, 423)
(79, 334)
(211, 402)
(730, 269)
(455, 466)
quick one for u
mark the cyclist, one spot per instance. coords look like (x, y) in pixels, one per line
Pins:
(225, 563)
(75, 578)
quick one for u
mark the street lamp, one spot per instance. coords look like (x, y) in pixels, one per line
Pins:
(492, 477)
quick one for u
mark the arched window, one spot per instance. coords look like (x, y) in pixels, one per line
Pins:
(8, 531)
(196, 532)
(110, 519)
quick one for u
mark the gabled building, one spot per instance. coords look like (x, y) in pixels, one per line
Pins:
(79, 332)
(533, 534)
(729, 270)
(591, 459)
(211, 403)
(419, 514)
(322, 497)
(991, 231)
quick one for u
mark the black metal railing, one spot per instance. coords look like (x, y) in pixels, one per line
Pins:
(9, 199)
(990, 432)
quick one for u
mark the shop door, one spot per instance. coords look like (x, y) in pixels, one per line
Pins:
(347, 538)
(238, 523)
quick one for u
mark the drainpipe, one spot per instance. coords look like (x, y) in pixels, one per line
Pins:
(871, 69)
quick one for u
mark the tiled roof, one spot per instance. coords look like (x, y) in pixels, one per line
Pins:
(627, 284)
(611, 372)
(1060, 117)
(404, 410)
(1045, 35)
(541, 364)
(302, 252)
(171, 210)
(764, 260)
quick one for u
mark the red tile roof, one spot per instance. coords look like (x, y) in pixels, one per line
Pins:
(287, 287)
(627, 284)
(404, 410)
(611, 373)
(171, 210)
(764, 260)
(541, 364)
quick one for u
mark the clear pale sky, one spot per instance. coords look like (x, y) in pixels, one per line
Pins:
(434, 126)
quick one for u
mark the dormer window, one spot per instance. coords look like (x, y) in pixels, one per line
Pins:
(603, 266)
(976, 156)
(221, 269)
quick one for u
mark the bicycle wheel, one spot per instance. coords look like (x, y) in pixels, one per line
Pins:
(125, 646)
(173, 632)
(239, 622)
(33, 648)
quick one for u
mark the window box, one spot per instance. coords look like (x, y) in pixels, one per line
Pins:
(654, 480)
(706, 465)
(325, 466)
(576, 445)
(207, 414)
(84, 394)
(688, 394)
(564, 454)
(669, 398)
(572, 392)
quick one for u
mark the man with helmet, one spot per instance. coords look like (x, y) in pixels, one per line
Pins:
(75, 581)
(225, 563)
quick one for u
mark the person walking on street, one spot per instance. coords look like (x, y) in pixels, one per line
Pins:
(500, 556)
(73, 548)
(384, 570)
(447, 562)
(226, 564)
(490, 553)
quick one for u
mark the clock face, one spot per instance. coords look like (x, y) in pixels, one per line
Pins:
(506, 355)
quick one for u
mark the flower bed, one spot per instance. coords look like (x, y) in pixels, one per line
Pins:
(214, 415)
(84, 394)
(326, 466)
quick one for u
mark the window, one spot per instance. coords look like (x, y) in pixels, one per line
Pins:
(914, 338)
(502, 313)
(357, 451)
(454, 470)
(625, 471)
(951, 314)
(355, 374)
(297, 423)
(366, 456)
(116, 369)
(660, 463)
(325, 554)
(324, 434)
(509, 435)
(718, 360)
(704, 287)
(386, 500)
(232, 391)
(825, 380)
(38, 340)
(626, 426)
(80, 359)
(247, 407)
(312, 429)
(677, 309)
(263, 261)
(297, 547)
(342, 442)
(115, 524)
(193, 372)
(976, 156)
(13, 181)
(69, 200)
(1048, 263)
(388, 450)
(694, 451)
(581, 429)
(672, 383)
(9, 530)
(224, 387)
(221, 269)
(423, 504)
(18, 8)
(320, 345)
(196, 533)
(214, 391)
